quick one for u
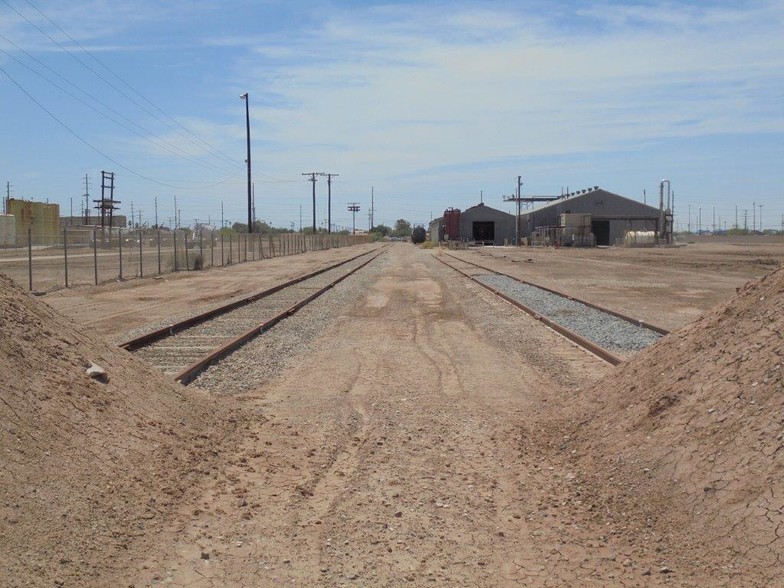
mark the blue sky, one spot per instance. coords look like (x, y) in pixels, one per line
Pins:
(428, 104)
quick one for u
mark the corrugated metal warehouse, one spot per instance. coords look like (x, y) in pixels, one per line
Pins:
(479, 224)
(611, 215)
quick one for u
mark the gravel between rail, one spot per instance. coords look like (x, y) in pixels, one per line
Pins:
(610, 332)
(268, 355)
(191, 344)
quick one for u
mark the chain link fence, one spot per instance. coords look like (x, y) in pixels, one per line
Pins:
(91, 256)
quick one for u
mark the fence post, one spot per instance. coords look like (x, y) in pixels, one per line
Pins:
(141, 263)
(30, 256)
(65, 253)
(185, 239)
(119, 240)
(95, 254)
(159, 250)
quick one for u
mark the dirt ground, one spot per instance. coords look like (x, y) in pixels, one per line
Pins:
(435, 437)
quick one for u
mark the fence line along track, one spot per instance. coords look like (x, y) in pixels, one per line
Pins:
(598, 327)
(186, 348)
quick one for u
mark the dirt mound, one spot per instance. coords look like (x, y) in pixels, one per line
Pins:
(91, 470)
(682, 449)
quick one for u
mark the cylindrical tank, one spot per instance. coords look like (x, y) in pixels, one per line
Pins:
(418, 235)
(639, 239)
(452, 224)
(7, 230)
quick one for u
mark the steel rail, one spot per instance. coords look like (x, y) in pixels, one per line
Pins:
(628, 319)
(169, 330)
(597, 350)
(188, 374)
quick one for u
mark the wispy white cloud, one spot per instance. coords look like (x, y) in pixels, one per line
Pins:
(499, 84)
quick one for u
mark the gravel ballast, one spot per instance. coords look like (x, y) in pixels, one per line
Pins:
(608, 331)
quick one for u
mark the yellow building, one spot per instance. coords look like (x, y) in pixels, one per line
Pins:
(41, 218)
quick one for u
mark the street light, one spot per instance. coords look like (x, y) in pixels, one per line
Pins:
(247, 132)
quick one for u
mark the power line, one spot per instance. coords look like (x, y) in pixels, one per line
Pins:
(82, 139)
(114, 86)
(199, 142)
(162, 143)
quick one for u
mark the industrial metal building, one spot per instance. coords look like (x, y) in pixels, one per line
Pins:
(574, 217)
(478, 224)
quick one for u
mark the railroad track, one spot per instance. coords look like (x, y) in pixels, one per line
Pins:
(602, 331)
(186, 348)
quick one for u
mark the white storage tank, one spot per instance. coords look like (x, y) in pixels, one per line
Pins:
(639, 239)
(7, 230)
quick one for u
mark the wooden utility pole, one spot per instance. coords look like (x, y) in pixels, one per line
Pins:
(354, 209)
(313, 180)
(329, 200)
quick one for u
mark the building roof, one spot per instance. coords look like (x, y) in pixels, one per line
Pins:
(590, 194)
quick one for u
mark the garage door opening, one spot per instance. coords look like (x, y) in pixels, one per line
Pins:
(601, 230)
(484, 231)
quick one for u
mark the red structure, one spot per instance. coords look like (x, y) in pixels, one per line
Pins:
(452, 224)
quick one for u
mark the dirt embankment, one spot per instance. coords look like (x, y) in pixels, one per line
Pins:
(684, 444)
(90, 469)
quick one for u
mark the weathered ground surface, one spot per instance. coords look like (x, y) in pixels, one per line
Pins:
(431, 435)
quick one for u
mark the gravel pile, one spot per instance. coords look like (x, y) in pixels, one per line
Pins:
(268, 355)
(610, 332)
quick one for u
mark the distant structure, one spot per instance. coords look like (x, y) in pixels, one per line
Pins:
(605, 215)
(479, 224)
(583, 218)
(40, 219)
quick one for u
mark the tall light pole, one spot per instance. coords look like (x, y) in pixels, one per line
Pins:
(247, 133)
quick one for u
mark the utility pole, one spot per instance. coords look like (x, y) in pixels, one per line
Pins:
(736, 216)
(300, 218)
(753, 216)
(518, 201)
(714, 220)
(175, 211)
(250, 187)
(139, 212)
(222, 225)
(253, 190)
(372, 207)
(745, 220)
(7, 197)
(156, 212)
(354, 208)
(313, 180)
(86, 199)
(699, 221)
(689, 226)
(133, 217)
(760, 217)
(329, 200)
